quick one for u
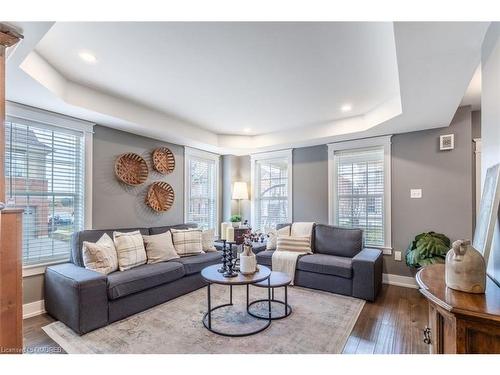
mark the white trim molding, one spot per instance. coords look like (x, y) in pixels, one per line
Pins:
(385, 142)
(281, 154)
(398, 280)
(33, 309)
(193, 153)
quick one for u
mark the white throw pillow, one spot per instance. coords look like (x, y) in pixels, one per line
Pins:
(273, 236)
(207, 241)
(187, 241)
(159, 247)
(294, 243)
(130, 249)
(100, 256)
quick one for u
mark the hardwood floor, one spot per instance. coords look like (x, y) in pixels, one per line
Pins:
(391, 324)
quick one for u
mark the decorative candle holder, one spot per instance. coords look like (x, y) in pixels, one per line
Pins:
(229, 262)
(223, 269)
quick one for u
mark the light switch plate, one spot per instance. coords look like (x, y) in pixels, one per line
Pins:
(415, 193)
(397, 256)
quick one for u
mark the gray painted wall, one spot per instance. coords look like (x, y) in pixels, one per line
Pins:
(116, 205)
(310, 184)
(235, 168)
(445, 178)
(490, 127)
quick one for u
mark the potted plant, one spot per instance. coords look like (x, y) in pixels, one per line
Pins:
(236, 221)
(427, 248)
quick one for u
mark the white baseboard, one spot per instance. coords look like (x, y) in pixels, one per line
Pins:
(33, 309)
(405, 281)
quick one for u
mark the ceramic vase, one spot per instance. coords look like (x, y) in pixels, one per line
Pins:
(248, 264)
(465, 268)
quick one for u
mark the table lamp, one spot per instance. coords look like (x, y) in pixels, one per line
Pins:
(240, 192)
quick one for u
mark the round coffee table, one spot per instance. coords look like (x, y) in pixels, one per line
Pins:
(212, 276)
(276, 280)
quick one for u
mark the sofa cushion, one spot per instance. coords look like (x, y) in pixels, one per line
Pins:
(343, 242)
(143, 277)
(265, 258)
(195, 263)
(93, 235)
(326, 264)
(160, 230)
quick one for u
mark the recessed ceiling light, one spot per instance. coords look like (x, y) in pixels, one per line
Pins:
(346, 108)
(247, 130)
(88, 57)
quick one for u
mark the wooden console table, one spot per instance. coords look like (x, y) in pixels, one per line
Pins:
(460, 322)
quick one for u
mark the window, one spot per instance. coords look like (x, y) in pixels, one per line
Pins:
(271, 189)
(359, 179)
(202, 189)
(45, 175)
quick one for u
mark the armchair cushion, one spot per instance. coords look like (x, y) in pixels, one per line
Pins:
(326, 264)
(332, 240)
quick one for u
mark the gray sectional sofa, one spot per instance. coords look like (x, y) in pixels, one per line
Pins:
(340, 263)
(85, 300)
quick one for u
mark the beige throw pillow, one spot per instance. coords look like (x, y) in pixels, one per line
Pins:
(159, 247)
(130, 249)
(273, 236)
(207, 241)
(294, 243)
(187, 242)
(100, 256)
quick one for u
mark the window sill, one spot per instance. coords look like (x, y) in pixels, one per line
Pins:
(39, 269)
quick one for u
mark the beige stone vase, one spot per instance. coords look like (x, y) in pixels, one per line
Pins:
(465, 269)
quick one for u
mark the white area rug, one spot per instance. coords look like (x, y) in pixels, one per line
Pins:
(321, 322)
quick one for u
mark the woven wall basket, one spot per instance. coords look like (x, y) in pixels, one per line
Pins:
(160, 196)
(163, 160)
(131, 169)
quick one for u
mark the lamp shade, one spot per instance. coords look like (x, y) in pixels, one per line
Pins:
(240, 190)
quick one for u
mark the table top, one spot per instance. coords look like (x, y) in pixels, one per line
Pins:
(212, 275)
(432, 285)
(276, 280)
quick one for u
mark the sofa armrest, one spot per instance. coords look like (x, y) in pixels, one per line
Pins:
(367, 274)
(76, 296)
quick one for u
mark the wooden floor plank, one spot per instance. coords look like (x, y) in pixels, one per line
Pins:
(391, 324)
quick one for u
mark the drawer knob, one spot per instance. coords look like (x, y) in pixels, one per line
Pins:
(427, 335)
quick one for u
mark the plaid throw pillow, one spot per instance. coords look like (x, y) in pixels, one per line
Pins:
(187, 242)
(130, 249)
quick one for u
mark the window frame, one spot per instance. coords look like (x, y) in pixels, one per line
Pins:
(55, 120)
(361, 144)
(254, 158)
(193, 153)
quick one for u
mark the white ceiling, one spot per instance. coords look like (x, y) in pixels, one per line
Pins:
(226, 77)
(202, 84)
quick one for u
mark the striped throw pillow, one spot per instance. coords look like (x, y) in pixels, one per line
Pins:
(130, 249)
(296, 244)
(187, 242)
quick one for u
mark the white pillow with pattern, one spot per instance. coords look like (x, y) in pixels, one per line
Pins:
(100, 256)
(130, 249)
(207, 241)
(273, 236)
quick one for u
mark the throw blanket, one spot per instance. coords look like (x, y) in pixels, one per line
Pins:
(290, 248)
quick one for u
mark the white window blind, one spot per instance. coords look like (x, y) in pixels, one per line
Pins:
(271, 193)
(359, 192)
(44, 170)
(201, 191)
